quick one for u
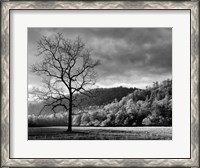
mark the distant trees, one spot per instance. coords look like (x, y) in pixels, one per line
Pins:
(66, 68)
(104, 96)
(151, 106)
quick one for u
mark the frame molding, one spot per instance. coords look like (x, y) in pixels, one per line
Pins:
(6, 6)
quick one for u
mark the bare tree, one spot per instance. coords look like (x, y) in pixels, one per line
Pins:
(66, 69)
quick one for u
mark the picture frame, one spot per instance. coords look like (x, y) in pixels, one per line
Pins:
(8, 6)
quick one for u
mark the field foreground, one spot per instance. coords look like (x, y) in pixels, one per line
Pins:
(100, 133)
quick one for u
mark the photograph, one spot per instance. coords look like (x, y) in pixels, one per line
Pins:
(99, 83)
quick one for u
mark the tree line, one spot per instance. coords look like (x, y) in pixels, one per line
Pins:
(150, 107)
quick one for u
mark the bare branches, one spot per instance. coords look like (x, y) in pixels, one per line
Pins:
(66, 69)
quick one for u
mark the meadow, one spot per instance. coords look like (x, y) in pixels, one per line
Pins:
(100, 133)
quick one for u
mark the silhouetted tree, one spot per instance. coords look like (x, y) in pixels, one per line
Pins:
(66, 69)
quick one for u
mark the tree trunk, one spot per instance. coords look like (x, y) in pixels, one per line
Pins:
(70, 116)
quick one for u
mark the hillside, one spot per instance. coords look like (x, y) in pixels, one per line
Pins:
(151, 106)
(98, 97)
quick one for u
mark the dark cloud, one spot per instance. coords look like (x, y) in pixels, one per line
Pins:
(129, 56)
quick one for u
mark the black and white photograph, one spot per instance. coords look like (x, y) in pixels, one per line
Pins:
(96, 83)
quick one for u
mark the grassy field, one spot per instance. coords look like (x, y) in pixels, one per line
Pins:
(100, 133)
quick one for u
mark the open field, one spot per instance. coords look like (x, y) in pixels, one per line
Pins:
(100, 133)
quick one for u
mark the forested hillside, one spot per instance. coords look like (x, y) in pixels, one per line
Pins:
(97, 97)
(118, 107)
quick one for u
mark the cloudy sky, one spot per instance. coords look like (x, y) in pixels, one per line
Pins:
(132, 57)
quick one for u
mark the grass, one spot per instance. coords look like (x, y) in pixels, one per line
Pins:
(100, 133)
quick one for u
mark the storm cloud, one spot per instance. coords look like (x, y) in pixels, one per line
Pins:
(133, 57)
